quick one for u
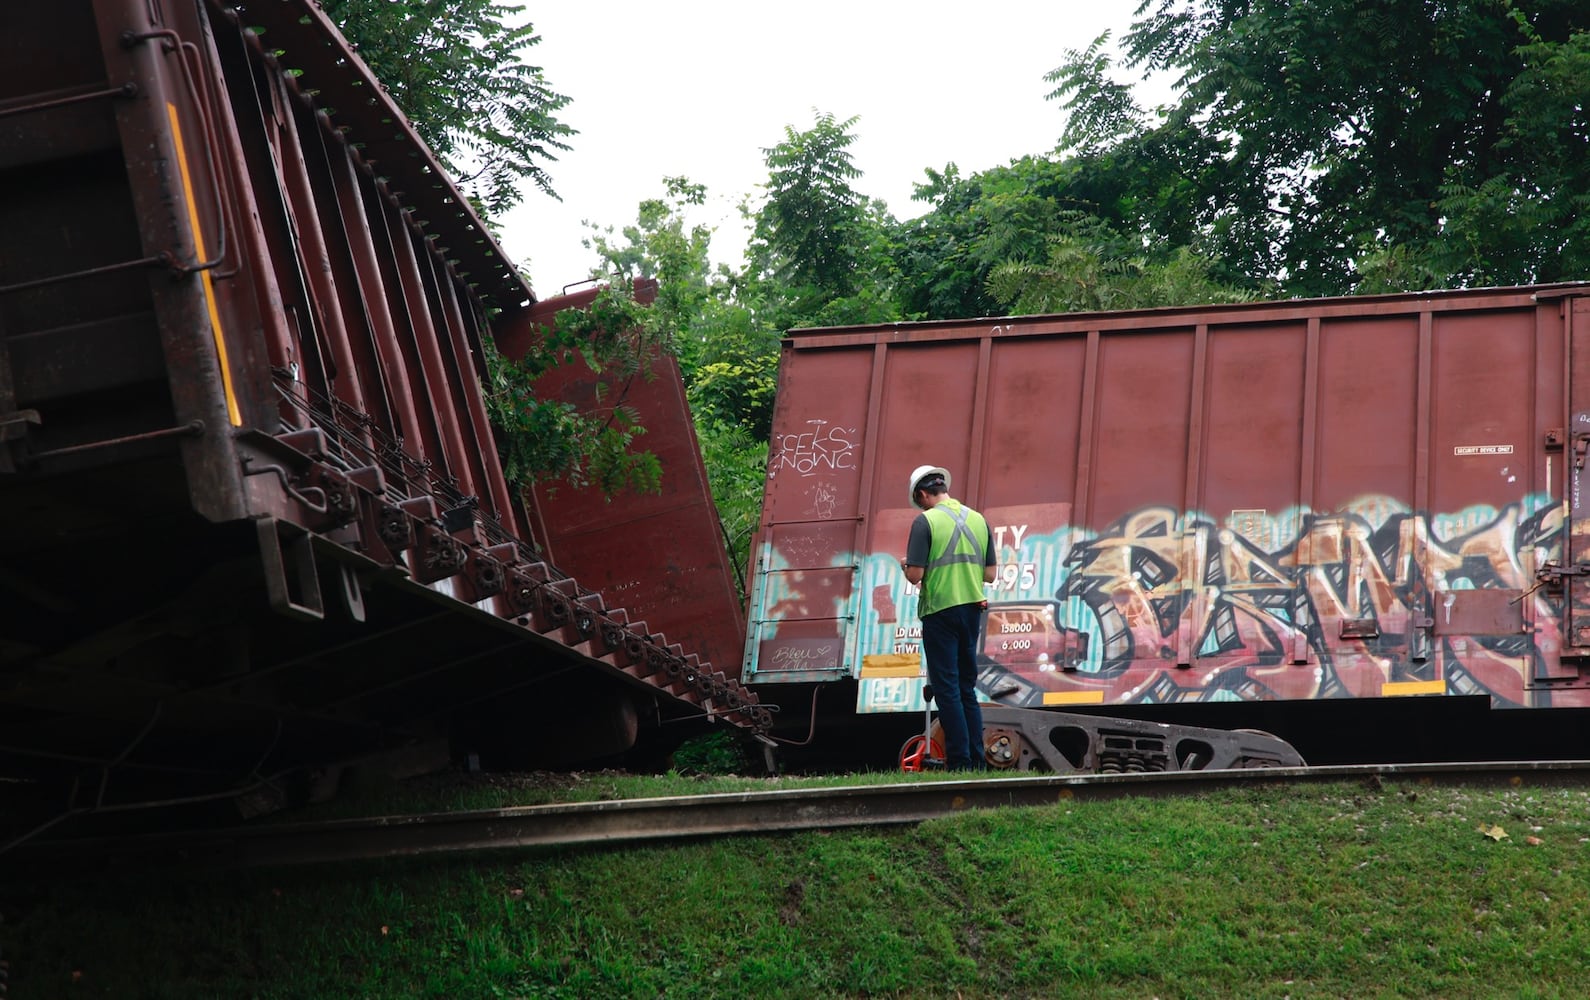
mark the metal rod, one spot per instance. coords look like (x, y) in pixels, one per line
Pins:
(125, 90)
(92, 272)
(192, 428)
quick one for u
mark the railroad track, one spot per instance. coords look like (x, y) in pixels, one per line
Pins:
(662, 819)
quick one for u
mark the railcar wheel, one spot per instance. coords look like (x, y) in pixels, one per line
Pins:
(919, 753)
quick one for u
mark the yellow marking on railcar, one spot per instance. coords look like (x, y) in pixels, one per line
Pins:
(1073, 697)
(891, 665)
(1413, 687)
(232, 411)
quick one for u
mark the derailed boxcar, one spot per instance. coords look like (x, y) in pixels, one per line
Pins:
(659, 554)
(253, 515)
(1278, 503)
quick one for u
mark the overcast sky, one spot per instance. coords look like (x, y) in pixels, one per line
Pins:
(700, 87)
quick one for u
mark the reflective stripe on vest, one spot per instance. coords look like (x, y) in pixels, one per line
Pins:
(960, 531)
(953, 576)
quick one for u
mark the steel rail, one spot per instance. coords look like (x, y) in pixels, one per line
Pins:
(629, 821)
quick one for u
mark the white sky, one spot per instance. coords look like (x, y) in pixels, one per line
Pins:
(699, 87)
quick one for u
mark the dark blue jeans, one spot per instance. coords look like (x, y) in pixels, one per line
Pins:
(949, 641)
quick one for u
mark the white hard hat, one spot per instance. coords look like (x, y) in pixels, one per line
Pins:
(922, 472)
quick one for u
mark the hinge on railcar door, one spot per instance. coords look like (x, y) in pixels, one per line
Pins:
(1555, 579)
(1421, 630)
(1551, 576)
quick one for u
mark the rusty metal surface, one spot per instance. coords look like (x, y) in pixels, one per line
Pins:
(310, 45)
(251, 501)
(1294, 501)
(660, 556)
(728, 814)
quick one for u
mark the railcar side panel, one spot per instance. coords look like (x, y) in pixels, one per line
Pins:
(1344, 498)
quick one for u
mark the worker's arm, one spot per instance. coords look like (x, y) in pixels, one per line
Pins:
(917, 547)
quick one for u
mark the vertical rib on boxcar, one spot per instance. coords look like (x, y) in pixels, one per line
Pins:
(252, 501)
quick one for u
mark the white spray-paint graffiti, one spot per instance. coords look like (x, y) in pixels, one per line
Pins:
(823, 447)
(825, 494)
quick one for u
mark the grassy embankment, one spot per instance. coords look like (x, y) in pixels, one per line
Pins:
(1320, 891)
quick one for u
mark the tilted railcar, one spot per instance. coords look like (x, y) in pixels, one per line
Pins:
(254, 520)
(1322, 517)
(662, 551)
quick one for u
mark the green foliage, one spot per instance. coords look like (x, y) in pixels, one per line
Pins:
(718, 752)
(736, 393)
(458, 71)
(1102, 110)
(547, 438)
(736, 463)
(1005, 215)
(1308, 132)
(1529, 220)
(1092, 268)
(1396, 268)
(820, 253)
(809, 224)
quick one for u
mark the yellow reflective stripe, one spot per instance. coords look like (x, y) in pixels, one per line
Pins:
(232, 411)
(1073, 697)
(891, 665)
(1414, 687)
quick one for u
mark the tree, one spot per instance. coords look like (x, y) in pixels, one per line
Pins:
(976, 223)
(727, 356)
(458, 71)
(812, 213)
(1101, 110)
(820, 254)
(1312, 135)
(1093, 268)
(1529, 220)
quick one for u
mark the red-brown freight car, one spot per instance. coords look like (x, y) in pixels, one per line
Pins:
(661, 553)
(252, 517)
(1203, 513)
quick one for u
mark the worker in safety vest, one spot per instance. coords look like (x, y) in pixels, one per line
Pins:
(950, 556)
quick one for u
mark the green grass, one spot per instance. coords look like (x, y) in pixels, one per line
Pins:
(1265, 891)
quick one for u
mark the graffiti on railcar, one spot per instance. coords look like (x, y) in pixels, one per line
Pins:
(1370, 600)
(1348, 604)
(822, 447)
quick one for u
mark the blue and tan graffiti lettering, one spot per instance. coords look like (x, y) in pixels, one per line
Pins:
(1367, 601)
